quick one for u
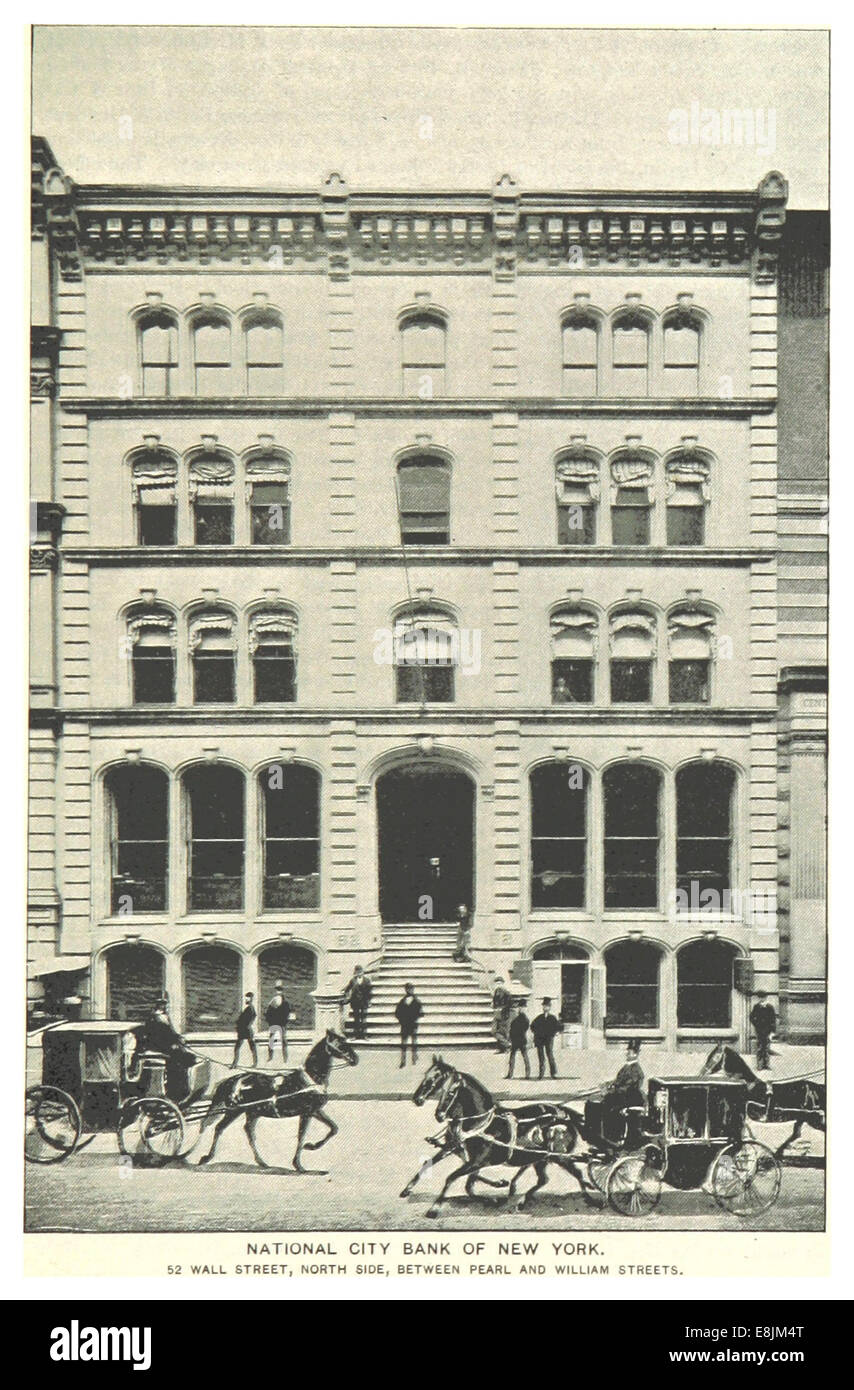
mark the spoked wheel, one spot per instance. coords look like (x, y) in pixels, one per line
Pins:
(53, 1125)
(634, 1186)
(152, 1129)
(599, 1168)
(745, 1178)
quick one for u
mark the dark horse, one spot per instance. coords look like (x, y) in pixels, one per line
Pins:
(280, 1096)
(485, 1134)
(802, 1100)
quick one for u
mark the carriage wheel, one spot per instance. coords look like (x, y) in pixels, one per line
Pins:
(634, 1186)
(745, 1178)
(53, 1125)
(599, 1168)
(150, 1130)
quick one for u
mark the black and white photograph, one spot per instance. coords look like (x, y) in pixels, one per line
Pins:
(428, 640)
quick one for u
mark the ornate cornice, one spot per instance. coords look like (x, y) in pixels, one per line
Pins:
(177, 407)
(505, 232)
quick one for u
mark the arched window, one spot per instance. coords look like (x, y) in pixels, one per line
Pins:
(571, 968)
(580, 355)
(154, 480)
(135, 981)
(291, 799)
(268, 486)
(294, 970)
(704, 984)
(704, 812)
(272, 647)
(211, 988)
(424, 501)
(632, 641)
(577, 487)
(213, 654)
(632, 481)
(558, 835)
(631, 793)
(573, 641)
(423, 344)
(157, 333)
(687, 478)
(211, 333)
(211, 484)
(151, 636)
(631, 985)
(426, 646)
(681, 353)
(138, 801)
(264, 348)
(215, 838)
(631, 354)
(690, 636)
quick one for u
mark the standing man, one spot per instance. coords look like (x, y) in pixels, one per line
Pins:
(519, 1025)
(763, 1016)
(502, 1008)
(246, 1031)
(543, 1030)
(277, 1015)
(463, 933)
(408, 1012)
(358, 995)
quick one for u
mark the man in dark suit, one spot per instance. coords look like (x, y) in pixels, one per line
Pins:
(245, 1028)
(408, 1012)
(763, 1016)
(277, 1015)
(519, 1026)
(358, 995)
(544, 1029)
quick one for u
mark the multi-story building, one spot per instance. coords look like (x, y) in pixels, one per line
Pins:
(397, 550)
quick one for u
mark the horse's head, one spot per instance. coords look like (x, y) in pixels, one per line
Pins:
(432, 1081)
(447, 1107)
(716, 1060)
(339, 1047)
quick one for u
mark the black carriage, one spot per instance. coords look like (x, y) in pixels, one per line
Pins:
(693, 1134)
(94, 1081)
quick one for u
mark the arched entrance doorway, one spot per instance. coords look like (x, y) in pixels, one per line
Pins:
(425, 823)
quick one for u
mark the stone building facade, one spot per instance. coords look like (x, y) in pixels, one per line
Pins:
(396, 550)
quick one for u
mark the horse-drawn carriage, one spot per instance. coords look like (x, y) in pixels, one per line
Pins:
(693, 1134)
(94, 1081)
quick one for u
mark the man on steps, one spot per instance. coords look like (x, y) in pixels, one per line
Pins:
(408, 1012)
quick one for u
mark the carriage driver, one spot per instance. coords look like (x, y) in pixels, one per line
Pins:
(605, 1111)
(157, 1035)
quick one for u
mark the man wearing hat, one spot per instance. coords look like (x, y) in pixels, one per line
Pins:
(544, 1029)
(519, 1026)
(605, 1112)
(245, 1029)
(408, 1012)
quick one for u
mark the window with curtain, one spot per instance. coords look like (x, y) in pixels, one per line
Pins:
(154, 480)
(151, 636)
(424, 500)
(681, 354)
(272, 648)
(631, 794)
(211, 336)
(213, 654)
(138, 796)
(704, 813)
(687, 481)
(690, 636)
(632, 985)
(632, 639)
(215, 838)
(263, 338)
(212, 497)
(573, 649)
(577, 489)
(157, 333)
(558, 835)
(704, 984)
(291, 801)
(423, 348)
(580, 355)
(630, 365)
(425, 654)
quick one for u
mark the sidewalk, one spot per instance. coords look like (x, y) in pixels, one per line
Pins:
(379, 1075)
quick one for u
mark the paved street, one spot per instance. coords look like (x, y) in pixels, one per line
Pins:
(380, 1145)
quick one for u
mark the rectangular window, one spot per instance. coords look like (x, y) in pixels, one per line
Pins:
(580, 346)
(213, 678)
(630, 517)
(689, 682)
(214, 523)
(631, 681)
(631, 1006)
(270, 514)
(686, 525)
(576, 523)
(275, 674)
(631, 356)
(572, 681)
(157, 522)
(153, 676)
(433, 684)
